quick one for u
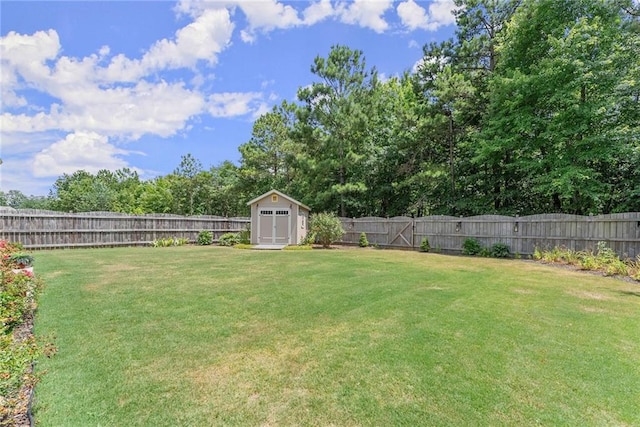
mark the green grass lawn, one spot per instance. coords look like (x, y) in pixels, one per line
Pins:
(198, 336)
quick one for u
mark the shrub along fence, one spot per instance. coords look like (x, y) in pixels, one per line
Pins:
(37, 229)
(621, 232)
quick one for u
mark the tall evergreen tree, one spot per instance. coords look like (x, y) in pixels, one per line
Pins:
(332, 126)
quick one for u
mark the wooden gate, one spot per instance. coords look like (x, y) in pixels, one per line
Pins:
(401, 232)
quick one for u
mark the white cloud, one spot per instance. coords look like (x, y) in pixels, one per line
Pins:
(202, 40)
(26, 56)
(113, 100)
(130, 112)
(263, 108)
(265, 16)
(414, 16)
(365, 13)
(317, 12)
(80, 150)
(9, 84)
(418, 65)
(441, 62)
(230, 104)
(413, 44)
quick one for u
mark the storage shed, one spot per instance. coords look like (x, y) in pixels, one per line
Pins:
(277, 219)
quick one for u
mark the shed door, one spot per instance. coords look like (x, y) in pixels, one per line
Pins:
(281, 227)
(274, 226)
(265, 226)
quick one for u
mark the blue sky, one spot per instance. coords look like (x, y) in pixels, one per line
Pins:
(113, 84)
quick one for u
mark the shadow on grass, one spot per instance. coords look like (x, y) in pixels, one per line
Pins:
(631, 293)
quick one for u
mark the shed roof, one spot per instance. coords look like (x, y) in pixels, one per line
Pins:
(269, 193)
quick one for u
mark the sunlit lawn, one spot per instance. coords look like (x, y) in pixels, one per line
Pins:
(198, 336)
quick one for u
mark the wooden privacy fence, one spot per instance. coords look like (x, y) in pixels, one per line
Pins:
(621, 232)
(46, 229)
(37, 229)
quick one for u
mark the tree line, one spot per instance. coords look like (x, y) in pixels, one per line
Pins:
(533, 107)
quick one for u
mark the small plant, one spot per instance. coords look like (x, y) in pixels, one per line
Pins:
(169, 241)
(424, 245)
(634, 268)
(604, 259)
(363, 242)
(22, 260)
(205, 237)
(500, 250)
(245, 236)
(327, 228)
(471, 247)
(537, 254)
(229, 239)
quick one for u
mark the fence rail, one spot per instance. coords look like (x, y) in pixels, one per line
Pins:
(37, 229)
(522, 234)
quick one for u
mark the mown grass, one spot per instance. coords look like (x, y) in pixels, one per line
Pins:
(217, 336)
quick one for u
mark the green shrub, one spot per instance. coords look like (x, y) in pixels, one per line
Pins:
(604, 259)
(18, 348)
(169, 241)
(162, 242)
(363, 242)
(634, 268)
(424, 245)
(327, 228)
(471, 247)
(500, 250)
(229, 239)
(309, 239)
(537, 254)
(245, 236)
(205, 237)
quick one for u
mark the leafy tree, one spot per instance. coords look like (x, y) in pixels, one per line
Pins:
(82, 192)
(156, 196)
(269, 158)
(555, 118)
(15, 199)
(226, 197)
(185, 185)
